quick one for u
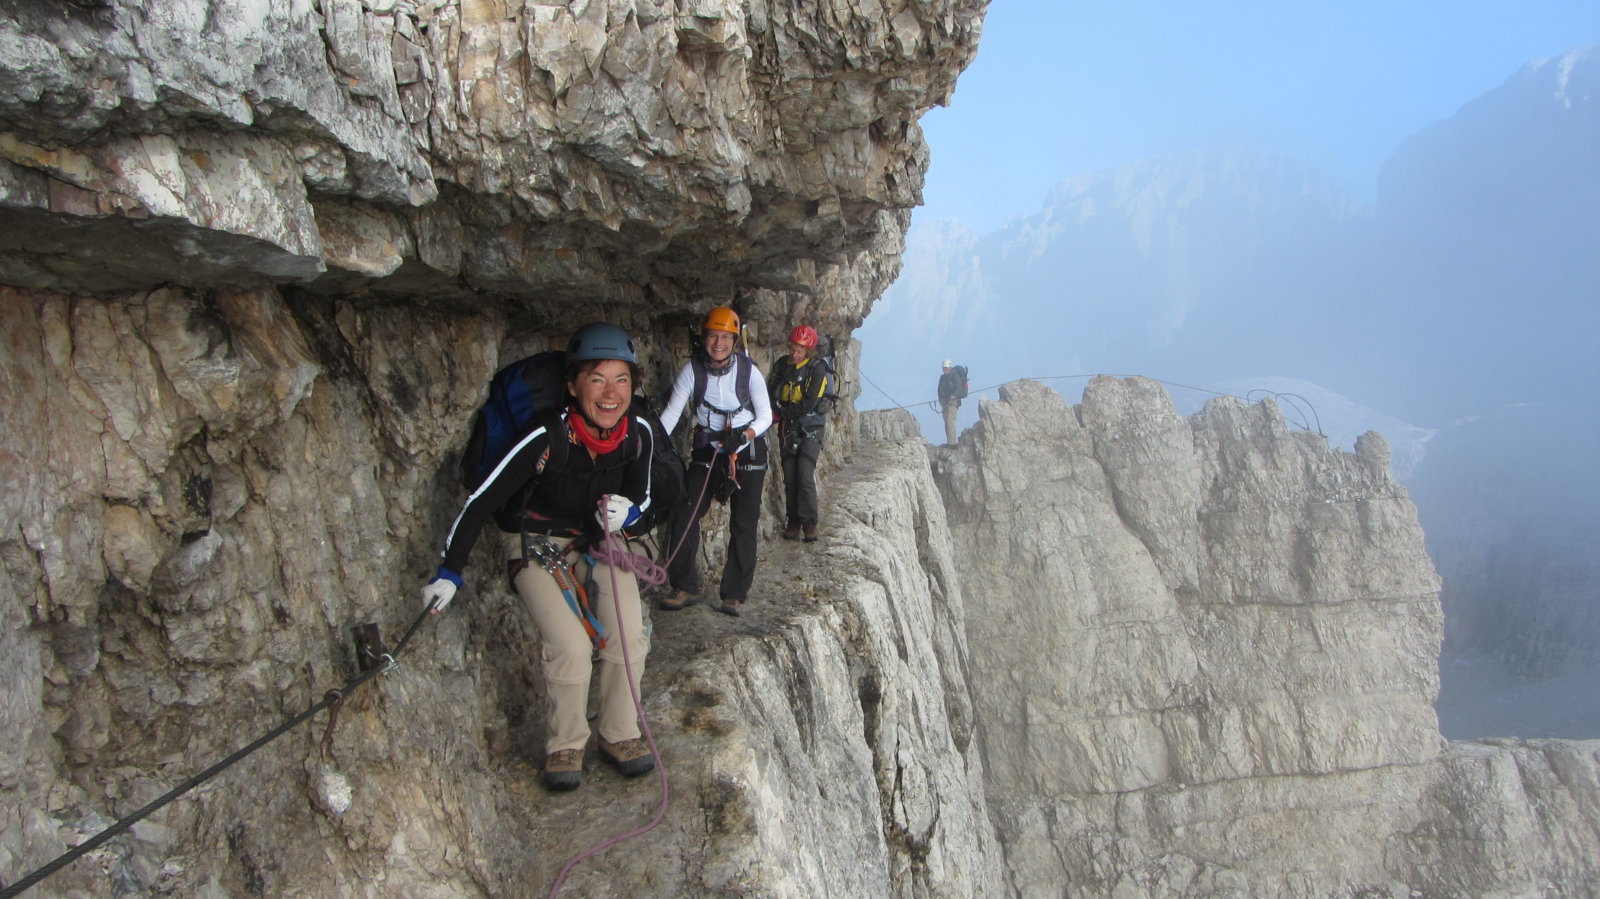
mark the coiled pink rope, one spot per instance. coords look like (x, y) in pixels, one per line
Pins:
(640, 566)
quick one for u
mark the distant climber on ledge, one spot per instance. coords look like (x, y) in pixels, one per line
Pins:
(952, 390)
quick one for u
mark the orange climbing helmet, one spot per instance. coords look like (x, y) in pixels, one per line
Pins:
(805, 335)
(722, 319)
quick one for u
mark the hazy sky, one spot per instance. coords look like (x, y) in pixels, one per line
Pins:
(1062, 89)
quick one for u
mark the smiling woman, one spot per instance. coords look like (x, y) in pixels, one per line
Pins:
(603, 389)
(583, 476)
(724, 392)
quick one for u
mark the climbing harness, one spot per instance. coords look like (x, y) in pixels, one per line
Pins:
(727, 414)
(371, 657)
(547, 554)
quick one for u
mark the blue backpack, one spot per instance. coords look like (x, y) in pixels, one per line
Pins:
(517, 396)
(533, 391)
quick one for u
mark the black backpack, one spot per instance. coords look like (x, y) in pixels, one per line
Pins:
(961, 372)
(666, 470)
(533, 391)
(831, 391)
(518, 394)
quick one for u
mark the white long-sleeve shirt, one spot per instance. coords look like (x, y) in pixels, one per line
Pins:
(721, 391)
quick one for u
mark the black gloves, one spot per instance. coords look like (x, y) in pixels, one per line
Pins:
(730, 441)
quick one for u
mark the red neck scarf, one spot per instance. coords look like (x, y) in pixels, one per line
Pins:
(596, 445)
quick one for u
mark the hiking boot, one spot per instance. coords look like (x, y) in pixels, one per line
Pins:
(676, 601)
(632, 757)
(811, 533)
(791, 531)
(563, 769)
(731, 607)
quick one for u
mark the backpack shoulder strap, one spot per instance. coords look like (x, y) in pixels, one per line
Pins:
(742, 382)
(636, 431)
(554, 422)
(699, 368)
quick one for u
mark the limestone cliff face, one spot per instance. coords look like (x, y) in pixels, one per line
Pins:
(259, 260)
(500, 153)
(1207, 654)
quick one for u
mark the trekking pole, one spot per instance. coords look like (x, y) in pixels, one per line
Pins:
(331, 698)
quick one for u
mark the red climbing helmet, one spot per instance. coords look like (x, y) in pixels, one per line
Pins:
(805, 335)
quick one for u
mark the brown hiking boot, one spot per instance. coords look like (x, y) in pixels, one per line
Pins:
(632, 757)
(731, 607)
(811, 533)
(791, 531)
(677, 600)
(563, 769)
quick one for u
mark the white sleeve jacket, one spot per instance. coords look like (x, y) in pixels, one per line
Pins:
(722, 393)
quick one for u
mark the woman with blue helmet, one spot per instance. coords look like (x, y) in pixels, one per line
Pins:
(574, 497)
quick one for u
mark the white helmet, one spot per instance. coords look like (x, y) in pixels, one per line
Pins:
(947, 363)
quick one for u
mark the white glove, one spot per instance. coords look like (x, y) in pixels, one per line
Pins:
(616, 512)
(437, 594)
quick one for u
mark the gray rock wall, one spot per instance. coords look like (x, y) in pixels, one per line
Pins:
(622, 149)
(1207, 652)
(259, 260)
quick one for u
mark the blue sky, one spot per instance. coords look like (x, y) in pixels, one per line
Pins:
(1063, 89)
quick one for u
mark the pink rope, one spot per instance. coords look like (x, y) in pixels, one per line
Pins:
(612, 552)
(640, 566)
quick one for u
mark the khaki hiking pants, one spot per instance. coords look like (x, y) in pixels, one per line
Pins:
(951, 407)
(567, 653)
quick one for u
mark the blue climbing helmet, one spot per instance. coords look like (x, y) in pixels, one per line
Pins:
(600, 340)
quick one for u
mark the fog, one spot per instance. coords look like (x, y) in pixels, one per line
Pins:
(1454, 312)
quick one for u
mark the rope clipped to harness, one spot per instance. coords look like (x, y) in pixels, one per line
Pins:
(545, 553)
(642, 567)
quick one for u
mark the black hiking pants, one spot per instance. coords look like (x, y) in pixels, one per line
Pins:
(801, 447)
(708, 482)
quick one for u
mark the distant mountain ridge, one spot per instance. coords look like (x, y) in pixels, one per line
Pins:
(1222, 263)
(1468, 289)
(1138, 269)
(1484, 241)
